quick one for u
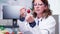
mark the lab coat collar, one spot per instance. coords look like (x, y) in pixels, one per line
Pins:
(40, 19)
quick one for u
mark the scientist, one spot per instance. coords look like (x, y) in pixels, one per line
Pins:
(41, 22)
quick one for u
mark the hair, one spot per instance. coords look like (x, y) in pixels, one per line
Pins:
(47, 12)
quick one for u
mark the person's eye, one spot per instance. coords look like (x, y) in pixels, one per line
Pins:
(35, 4)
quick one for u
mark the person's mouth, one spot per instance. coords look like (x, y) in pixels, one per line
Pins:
(37, 10)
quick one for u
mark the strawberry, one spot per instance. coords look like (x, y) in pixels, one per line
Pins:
(28, 11)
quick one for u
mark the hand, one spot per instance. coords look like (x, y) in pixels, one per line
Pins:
(22, 12)
(29, 18)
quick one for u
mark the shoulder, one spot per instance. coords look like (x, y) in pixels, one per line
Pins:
(50, 19)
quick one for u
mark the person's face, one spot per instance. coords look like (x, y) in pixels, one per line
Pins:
(39, 6)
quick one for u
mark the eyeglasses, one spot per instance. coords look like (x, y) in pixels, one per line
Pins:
(38, 4)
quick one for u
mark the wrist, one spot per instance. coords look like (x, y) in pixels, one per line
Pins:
(32, 24)
(22, 18)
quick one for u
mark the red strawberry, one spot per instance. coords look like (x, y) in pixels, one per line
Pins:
(28, 11)
(7, 32)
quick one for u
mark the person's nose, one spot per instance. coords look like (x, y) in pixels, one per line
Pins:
(37, 6)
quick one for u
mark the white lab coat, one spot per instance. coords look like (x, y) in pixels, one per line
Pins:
(46, 26)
